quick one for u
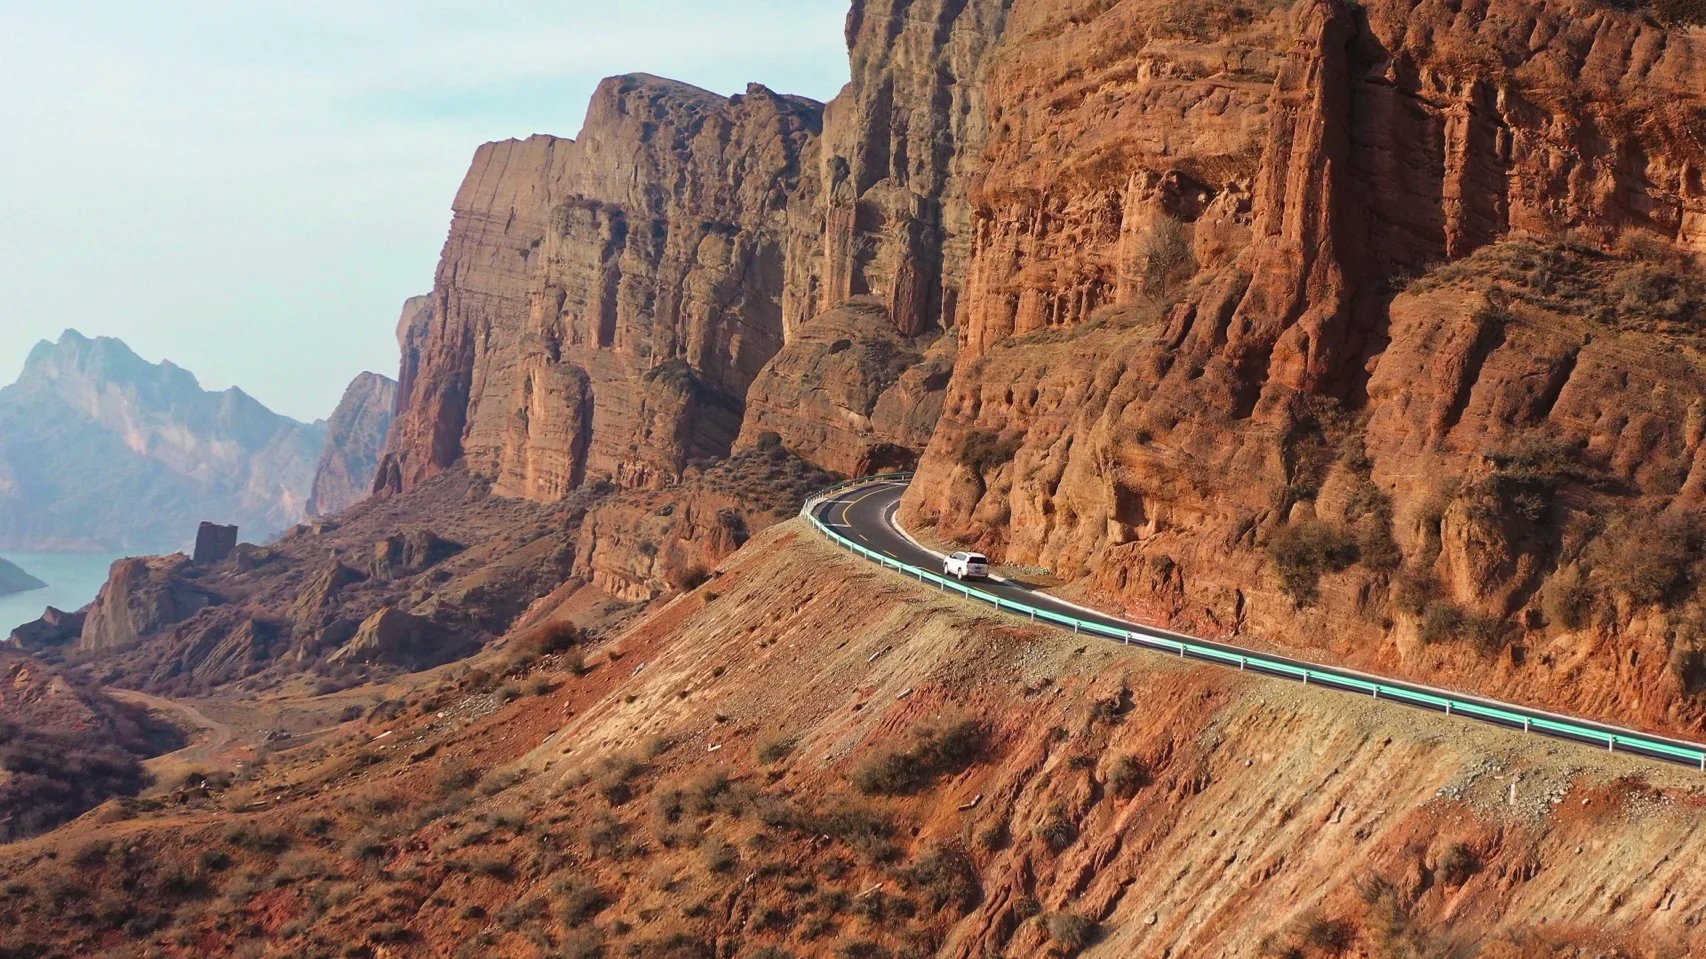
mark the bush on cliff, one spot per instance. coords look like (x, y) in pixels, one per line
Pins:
(987, 450)
(935, 751)
(1679, 13)
(1304, 551)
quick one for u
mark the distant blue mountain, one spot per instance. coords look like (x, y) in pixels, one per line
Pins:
(102, 450)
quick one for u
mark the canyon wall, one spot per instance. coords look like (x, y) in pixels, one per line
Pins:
(1198, 372)
(1352, 328)
(603, 303)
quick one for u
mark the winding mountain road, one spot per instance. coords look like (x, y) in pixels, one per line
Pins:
(864, 515)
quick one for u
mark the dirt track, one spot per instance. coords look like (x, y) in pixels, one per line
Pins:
(214, 737)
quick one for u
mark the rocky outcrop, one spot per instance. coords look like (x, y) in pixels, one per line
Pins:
(395, 638)
(105, 451)
(14, 579)
(355, 439)
(644, 544)
(142, 597)
(849, 386)
(316, 606)
(55, 628)
(267, 614)
(214, 543)
(408, 553)
(603, 304)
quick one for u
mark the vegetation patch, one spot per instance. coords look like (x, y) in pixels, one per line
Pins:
(935, 751)
(1303, 552)
(988, 450)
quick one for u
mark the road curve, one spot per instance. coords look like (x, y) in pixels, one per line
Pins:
(863, 514)
(202, 752)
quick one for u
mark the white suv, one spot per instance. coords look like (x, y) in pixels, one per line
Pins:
(966, 566)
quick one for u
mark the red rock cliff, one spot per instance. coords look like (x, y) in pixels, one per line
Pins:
(603, 303)
(1351, 327)
(1188, 375)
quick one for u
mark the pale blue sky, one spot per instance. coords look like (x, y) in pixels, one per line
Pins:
(252, 189)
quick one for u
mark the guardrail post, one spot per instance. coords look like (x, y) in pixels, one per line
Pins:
(1610, 744)
(1448, 707)
(1240, 664)
(1377, 692)
(1306, 677)
(1525, 725)
(1075, 627)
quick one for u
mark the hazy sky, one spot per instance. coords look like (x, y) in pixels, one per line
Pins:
(252, 189)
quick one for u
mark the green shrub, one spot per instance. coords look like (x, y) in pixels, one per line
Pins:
(555, 636)
(1443, 620)
(457, 778)
(1304, 551)
(719, 856)
(1680, 13)
(861, 949)
(947, 878)
(935, 751)
(1057, 829)
(860, 827)
(1648, 558)
(1458, 864)
(1071, 933)
(775, 750)
(1126, 775)
(1333, 937)
(578, 901)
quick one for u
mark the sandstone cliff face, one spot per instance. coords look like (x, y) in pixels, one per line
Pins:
(104, 451)
(849, 388)
(886, 214)
(1166, 244)
(355, 439)
(1183, 375)
(603, 303)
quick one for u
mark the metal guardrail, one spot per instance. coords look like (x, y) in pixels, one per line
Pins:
(1183, 647)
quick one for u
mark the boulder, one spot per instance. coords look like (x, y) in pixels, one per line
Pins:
(408, 553)
(394, 638)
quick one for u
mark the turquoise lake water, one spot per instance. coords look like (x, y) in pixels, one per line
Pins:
(73, 580)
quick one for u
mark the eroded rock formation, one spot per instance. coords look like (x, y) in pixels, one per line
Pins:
(603, 303)
(1187, 372)
(355, 438)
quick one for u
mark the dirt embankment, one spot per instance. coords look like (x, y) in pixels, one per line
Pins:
(813, 755)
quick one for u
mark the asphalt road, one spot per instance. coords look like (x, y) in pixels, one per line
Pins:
(865, 515)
